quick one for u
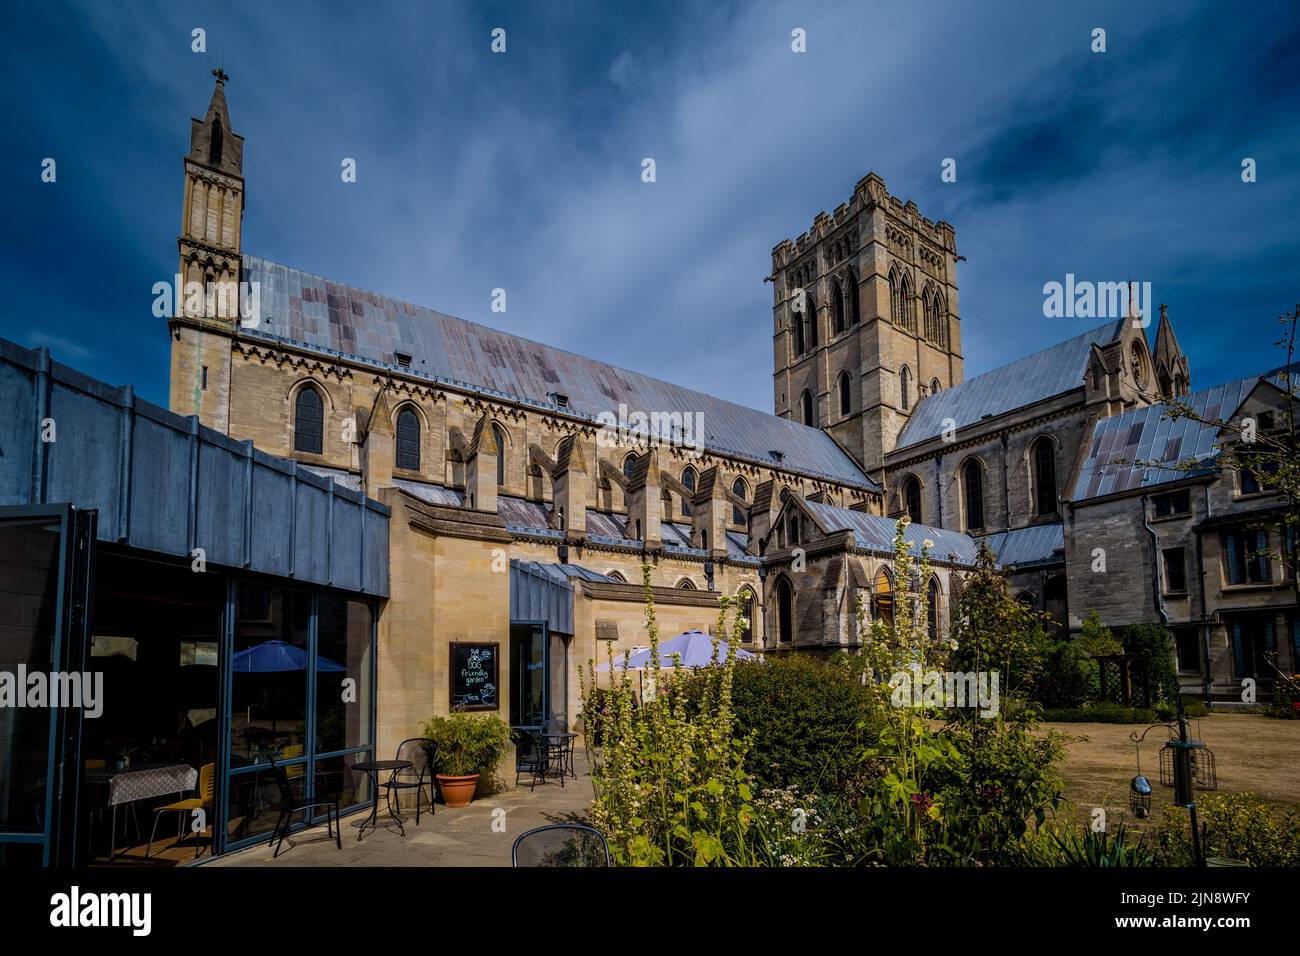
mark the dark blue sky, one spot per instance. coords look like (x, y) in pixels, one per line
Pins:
(522, 170)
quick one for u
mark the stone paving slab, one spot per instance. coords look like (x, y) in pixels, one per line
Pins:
(464, 837)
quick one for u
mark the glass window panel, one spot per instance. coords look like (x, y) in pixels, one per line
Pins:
(29, 590)
(343, 675)
(269, 674)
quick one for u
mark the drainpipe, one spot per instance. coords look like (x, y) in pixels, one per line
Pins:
(1207, 679)
(1155, 564)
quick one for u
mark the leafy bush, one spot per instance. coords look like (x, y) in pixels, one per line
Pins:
(1076, 846)
(1238, 826)
(1096, 639)
(1286, 699)
(468, 744)
(1070, 678)
(804, 716)
(1101, 712)
(1151, 644)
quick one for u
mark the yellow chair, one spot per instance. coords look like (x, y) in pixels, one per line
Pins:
(202, 800)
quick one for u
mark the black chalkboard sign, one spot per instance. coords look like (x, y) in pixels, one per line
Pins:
(474, 676)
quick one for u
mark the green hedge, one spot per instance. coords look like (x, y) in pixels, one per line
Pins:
(1101, 713)
(804, 715)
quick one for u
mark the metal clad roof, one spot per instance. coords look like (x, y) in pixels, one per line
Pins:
(876, 532)
(543, 592)
(328, 316)
(164, 483)
(1028, 545)
(1022, 382)
(1149, 435)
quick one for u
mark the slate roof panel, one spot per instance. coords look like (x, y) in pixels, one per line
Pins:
(1028, 545)
(876, 532)
(1149, 436)
(332, 317)
(1033, 378)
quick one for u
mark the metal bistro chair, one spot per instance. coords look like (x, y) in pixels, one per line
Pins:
(423, 754)
(561, 844)
(291, 804)
(201, 801)
(534, 757)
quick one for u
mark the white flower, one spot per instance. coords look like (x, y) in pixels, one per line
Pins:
(927, 544)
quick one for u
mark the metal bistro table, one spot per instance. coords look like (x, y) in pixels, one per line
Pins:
(374, 768)
(141, 782)
(559, 746)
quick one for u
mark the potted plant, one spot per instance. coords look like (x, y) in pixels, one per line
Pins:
(468, 746)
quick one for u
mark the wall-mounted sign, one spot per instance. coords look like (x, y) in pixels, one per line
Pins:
(474, 676)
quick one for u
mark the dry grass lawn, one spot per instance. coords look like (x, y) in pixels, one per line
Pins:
(1251, 752)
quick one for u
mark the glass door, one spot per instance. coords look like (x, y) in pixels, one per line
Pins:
(528, 675)
(46, 566)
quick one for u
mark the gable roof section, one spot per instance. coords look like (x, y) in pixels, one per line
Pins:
(1148, 435)
(1025, 381)
(326, 316)
(876, 533)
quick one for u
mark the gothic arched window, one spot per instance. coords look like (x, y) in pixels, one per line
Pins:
(912, 499)
(846, 398)
(688, 480)
(309, 421)
(810, 309)
(1044, 459)
(837, 306)
(855, 307)
(785, 611)
(796, 326)
(972, 480)
(807, 410)
(746, 610)
(408, 439)
(628, 464)
(882, 598)
(934, 386)
(498, 433)
(905, 387)
(932, 609)
(738, 513)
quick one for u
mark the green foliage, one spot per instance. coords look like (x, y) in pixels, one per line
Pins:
(1101, 712)
(1069, 678)
(671, 788)
(1076, 846)
(1096, 639)
(1238, 826)
(468, 743)
(805, 717)
(993, 632)
(1153, 645)
(1286, 699)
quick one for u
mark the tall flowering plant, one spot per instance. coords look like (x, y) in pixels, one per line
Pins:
(670, 784)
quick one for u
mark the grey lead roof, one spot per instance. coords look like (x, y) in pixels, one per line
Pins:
(1030, 545)
(1147, 435)
(328, 316)
(1033, 378)
(876, 533)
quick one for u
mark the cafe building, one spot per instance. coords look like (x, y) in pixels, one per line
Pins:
(219, 604)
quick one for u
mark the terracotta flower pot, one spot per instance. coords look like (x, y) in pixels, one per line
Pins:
(458, 791)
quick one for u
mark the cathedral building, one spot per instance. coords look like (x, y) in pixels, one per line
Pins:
(520, 518)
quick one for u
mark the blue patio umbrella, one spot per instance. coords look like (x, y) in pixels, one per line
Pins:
(695, 648)
(274, 656)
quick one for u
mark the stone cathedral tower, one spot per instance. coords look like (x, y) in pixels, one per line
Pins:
(207, 308)
(865, 320)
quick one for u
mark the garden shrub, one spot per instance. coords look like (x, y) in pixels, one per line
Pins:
(1238, 826)
(1286, 699)
(1153, 645)
(1101, 712)
(804, 716)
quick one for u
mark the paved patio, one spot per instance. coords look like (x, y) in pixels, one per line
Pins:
(465, 837)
